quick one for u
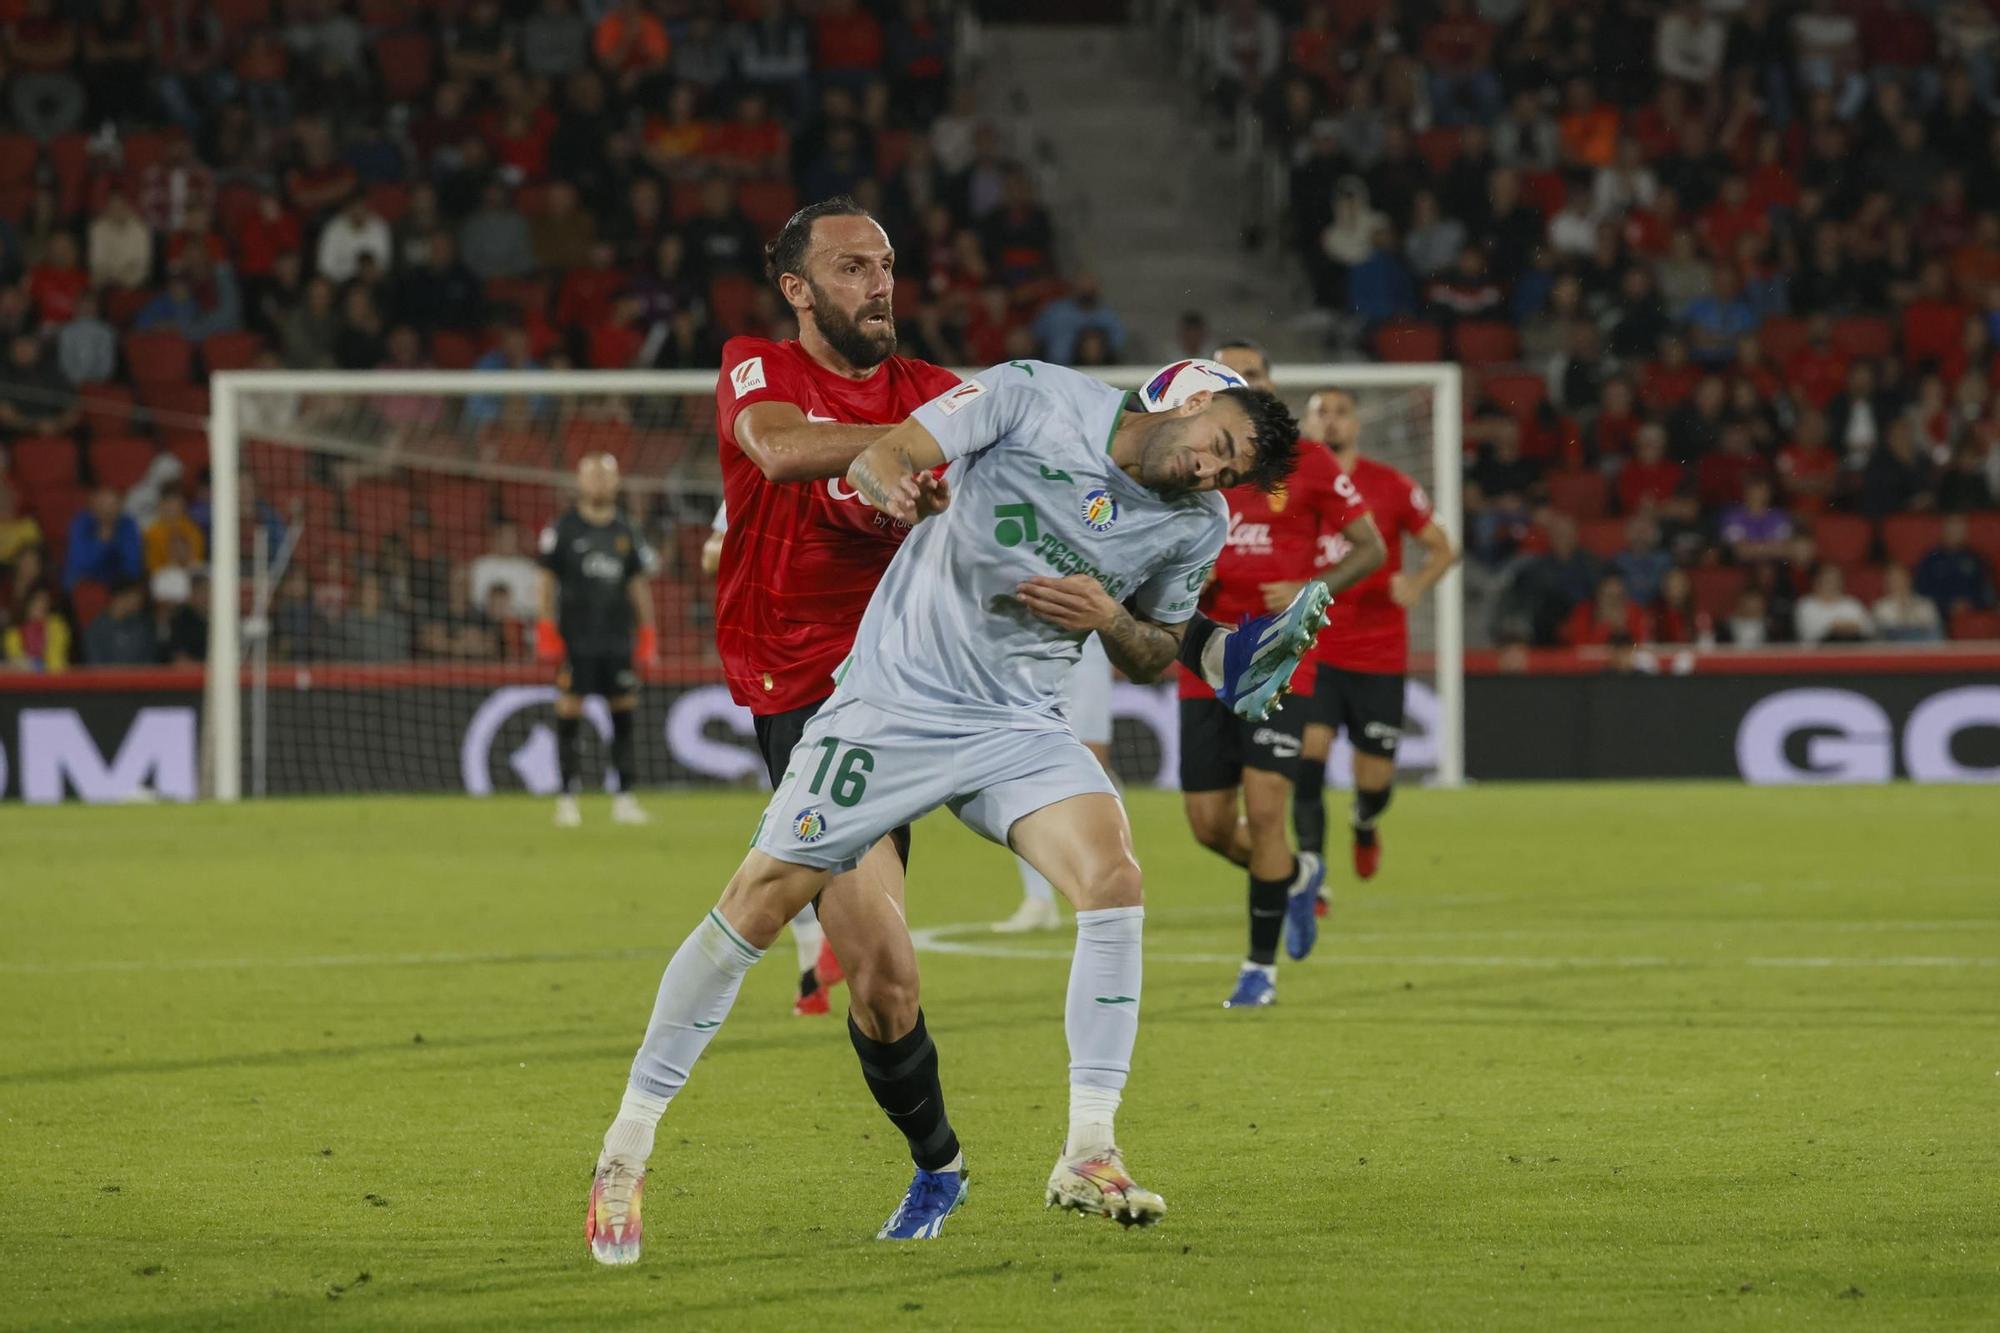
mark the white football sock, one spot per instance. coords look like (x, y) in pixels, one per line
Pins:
(1034, 883)
(1101, 1020)
(696, 992)
(806, 936)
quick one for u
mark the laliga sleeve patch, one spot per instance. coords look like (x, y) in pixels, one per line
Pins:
(949, 403)
(748, 376)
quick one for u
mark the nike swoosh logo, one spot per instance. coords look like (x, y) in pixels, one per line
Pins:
(824, 421)
(1118, 999)
(703, 1027)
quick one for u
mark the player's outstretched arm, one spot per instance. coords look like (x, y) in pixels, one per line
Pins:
(895, 474)
(1409, 587)
(1142, 649)
(785, 446)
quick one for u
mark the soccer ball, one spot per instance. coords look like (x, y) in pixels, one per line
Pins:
(1175, 384)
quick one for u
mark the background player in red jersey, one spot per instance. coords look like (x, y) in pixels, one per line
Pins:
(1364, 650)
(801, 558)
(1272, 548)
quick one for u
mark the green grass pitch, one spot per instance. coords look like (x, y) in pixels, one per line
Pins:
(1604, 1057)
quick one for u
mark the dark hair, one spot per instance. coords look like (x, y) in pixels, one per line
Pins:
(1247, 344)
(1275, 434)
(786, 252)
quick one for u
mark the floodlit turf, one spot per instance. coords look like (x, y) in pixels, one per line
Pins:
(1584, 1057)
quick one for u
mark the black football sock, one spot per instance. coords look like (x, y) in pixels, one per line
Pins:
(1309, 805)
(566, 738)
(1267, 916)
(1368, 807)
(903, 1075)
(808, 982)
(621, 750)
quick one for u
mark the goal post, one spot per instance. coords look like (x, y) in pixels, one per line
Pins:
(360, 522)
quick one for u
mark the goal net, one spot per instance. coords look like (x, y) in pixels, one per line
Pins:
(376, 584)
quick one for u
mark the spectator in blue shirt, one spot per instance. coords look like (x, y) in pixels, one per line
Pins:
(1953, 574)
(1063, 321)
(1718, 320)
(1380, 288)
(103, 545)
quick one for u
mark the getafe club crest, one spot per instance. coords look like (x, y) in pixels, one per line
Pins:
(810, 825)
(1100, 509)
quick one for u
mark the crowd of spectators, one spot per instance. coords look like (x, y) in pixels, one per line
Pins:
(188, 187)
(1724, 275)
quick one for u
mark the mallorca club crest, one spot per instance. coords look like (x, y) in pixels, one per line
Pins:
(1100, 509)
(809, 825)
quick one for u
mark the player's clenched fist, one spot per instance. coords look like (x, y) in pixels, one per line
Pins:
(548, 642)
(1077, 602)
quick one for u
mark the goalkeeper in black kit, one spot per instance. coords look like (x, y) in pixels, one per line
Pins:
(595, 611)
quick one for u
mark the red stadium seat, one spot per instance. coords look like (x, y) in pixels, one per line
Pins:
(230, 351)
(238, 16)
(15, 200)
(159, 358)
(1781, 336)
(175, 406)
(1582, 494)
(1862, 336)
(191, 447)
(1982, 534)
(69, 154)
(1864, 582)
(55, 508)
(1518, 395)
(892, 149)
(582, 436)
(1546, 190)
(391, 199)
(459, 506)
(87, 601)
(1842, 538)
(235, 203)
(1932, 330)
(1438, 148)
(378, 507)
(524, 294)
(107, 409)
(19, 155)
(44, 462)
(1967, 623)
(908, 299)
(406, 60)
(1906, 537)
(1409, 341)
(731, 297)
(768, 204)
(122, 303)
(1486, 342)
(1602, 537)
(454, 351)
(1716, 588)
(279, 469)
(121, 462)
(140, 151)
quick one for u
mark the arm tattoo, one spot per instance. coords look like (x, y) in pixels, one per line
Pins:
(878, 492)
(1140, 648)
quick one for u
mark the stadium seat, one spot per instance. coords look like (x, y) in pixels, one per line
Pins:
(19, 155)
(1486, 342)
(523, 294)
(230, 351)
(454, 351)
(278, 468)
(908, 299)
(389, 198)
(15, 201)
(43, 462)
(1716, 588)
(1967, 623)
(1842, 538)
(1864, 582)
(122, 303)
(1409, 341)
(730, 300)
(141, 150)
(1932, 331)
(159, 358)
(377, 507)
(1982, 534)
(405, 60)
(69, 155)
(1781, 336)
(54, 507)
(120, 461)
(1582, 494)
(583, 436)
(175, 406)
(1862, 336)
(1545, 190)
(191, 447)
(87, 601)
(892, 149)
(1906, 537)
(1602, 537)
(459, 505)
(768, 204)
(1519, 395)
(107, 408)
(1439, 148)
(234, 205)
(239, 16)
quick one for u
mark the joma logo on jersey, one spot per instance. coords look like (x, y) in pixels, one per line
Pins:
(1254, 537)
(809, 825)
(1100, 509)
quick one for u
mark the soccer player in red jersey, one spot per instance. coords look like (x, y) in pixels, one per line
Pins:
(1272, 549)
(1364, 650)
(801, 558)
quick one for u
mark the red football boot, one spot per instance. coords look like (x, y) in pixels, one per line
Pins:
(828, 967)
(1367, 856)
(811, 1006)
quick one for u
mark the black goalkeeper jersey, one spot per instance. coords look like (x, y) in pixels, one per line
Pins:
(593, 563)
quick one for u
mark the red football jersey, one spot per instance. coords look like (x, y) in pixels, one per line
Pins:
(802, 558)
(1366, 630)
(1276, 537)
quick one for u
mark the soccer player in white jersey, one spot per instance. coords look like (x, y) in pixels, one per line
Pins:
(1067, 511)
